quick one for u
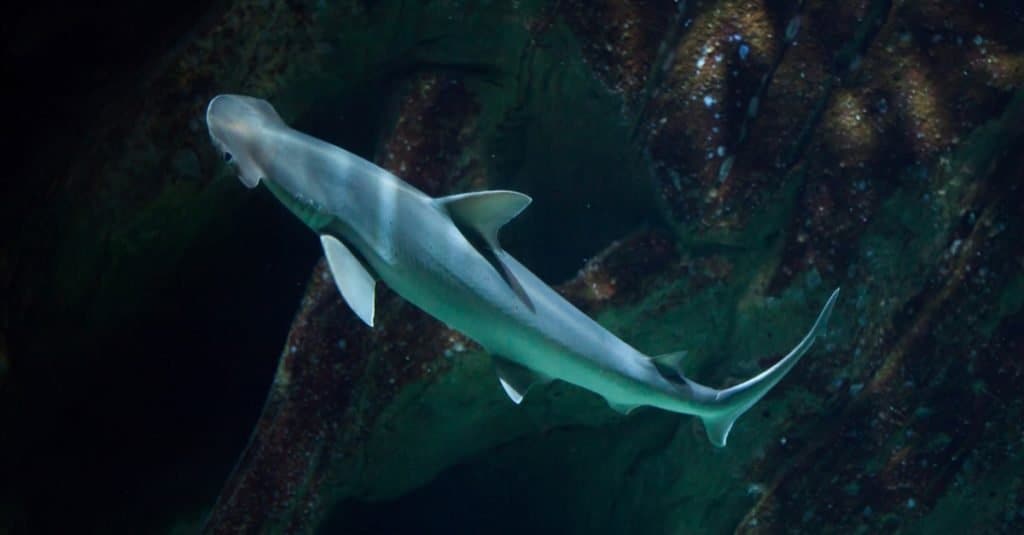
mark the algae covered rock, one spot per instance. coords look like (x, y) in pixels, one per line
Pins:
(789, 150)
(703, 174)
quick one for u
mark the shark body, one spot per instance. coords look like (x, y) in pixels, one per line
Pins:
(442, 255)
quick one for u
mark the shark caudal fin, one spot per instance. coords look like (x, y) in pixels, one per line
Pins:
(734, 401)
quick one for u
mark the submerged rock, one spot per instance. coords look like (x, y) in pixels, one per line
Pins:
(793, 151)
(788, 162)
(704, 173)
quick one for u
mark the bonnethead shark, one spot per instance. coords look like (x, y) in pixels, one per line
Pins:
(443, 255)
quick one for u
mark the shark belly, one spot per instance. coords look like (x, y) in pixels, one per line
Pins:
(443, 274)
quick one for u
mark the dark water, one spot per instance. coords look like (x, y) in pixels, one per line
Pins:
(174, 358)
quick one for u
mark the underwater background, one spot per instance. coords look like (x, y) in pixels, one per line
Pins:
(174, 357)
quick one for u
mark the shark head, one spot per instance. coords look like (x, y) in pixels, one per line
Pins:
(238, 126)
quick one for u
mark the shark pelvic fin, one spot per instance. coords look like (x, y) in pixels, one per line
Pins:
(482, 214)
(353, 280)
(515, 378)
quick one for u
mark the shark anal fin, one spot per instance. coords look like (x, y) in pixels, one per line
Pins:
(515, 378)
(622, 408)
(353, 280)
(481, 215)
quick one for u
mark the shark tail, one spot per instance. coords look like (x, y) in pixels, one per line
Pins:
(732, 402)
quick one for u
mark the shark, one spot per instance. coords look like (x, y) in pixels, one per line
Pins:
(443, 255)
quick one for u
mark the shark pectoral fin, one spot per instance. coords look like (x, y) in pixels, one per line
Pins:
(353, 280)
(481, 215)
(516, 379)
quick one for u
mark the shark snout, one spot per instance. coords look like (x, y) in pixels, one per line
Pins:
(237, 125)
(214, 119)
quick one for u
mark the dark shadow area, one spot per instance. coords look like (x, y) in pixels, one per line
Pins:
(117, 434)
(568, 145)
(165, 406)
(65, 64)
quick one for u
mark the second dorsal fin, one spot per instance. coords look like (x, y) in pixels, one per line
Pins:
(669, 365)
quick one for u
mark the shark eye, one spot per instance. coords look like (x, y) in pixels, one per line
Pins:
(227, 157)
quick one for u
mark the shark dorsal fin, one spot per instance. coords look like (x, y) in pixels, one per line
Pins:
(481, 215)
(670, 360)
(515, 378)
(485, 211)
(355, 283)
(669, 365)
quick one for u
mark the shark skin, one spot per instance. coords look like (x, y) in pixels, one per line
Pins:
(442, 255)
